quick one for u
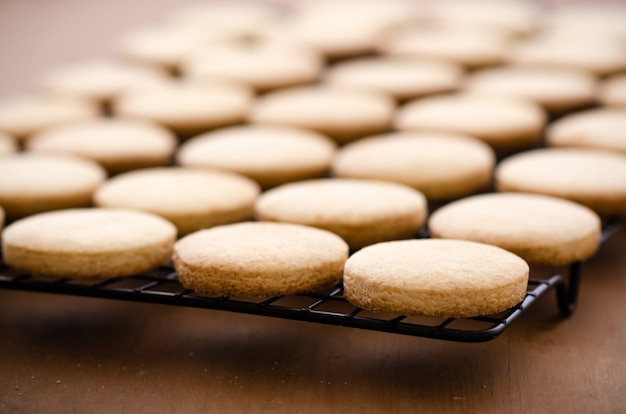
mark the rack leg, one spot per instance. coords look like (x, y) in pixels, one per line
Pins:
(567, 293)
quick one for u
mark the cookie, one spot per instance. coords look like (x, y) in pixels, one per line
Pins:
(191, 199)
(505, 123)
(340, 113)
(8, 144)
(401, 78)
(259, 259)
(263, 66)
(594, 178)
(41, 182)
(595, 20)
(22, 116)
(540, 229)
(433, 277)
(85, 243)
(602, 128)
(187, 108)
(269, 155)
(613, 91)
(362, 212)
(117, 144)
(440, 165)
(556, 90)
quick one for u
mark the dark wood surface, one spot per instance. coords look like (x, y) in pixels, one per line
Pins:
(61, 354)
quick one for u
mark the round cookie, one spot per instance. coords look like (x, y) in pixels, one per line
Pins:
(505, 123)
(269, 155)
(8, 144)
(540, 229)
(84, 243)
(440, 165)
(594, 178)
(41, 182)
(117, 144)
(613, 91)
(362, 212)
(601, 128)
(259, 259)
(22, 116)
(434, 277)
(100, 80)
(190, 199)
(556, 90)
(589, 19)
(340, 113)
(401, 78)
(262, 65)
(187, 108)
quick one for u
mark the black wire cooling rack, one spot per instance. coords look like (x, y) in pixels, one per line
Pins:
(327, 307)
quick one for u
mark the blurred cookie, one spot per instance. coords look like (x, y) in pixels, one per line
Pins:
(190, 199)
(117, 144)
(540, 229)
(42, 182)
(340, 113)
(84, 243)
(8, 144)
(362, 212)
(613, 91)
(594, 178)
(603, 128)
(442, 278)
(269, 155)
(259, 259)
(505, 123)
(440, 165)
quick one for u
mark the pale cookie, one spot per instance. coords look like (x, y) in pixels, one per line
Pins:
(362, 212)
(84, 243)
(556, 90)
(42, 182)
(440, 165)
(8, 144)
(100, 80)
(263, 65)
(269, 155)
(594, 178)
(540, 229)
(188, 108)
(471, 47)
(190, 199)
(259, 259)
(117, 144)
(401, 78)
(505, 123)
(22, 116)
(613, 91)
(603, 128)
(442, 278)
(340, 113)
(589, 19)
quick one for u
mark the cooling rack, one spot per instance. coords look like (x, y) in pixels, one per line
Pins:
(327, 307)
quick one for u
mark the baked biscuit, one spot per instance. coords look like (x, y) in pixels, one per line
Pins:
(340, 113)
(117, 144)
(594, 178)
(505, 123)
(613, 91)
(8, 144)
(556, 90)
(41, 182)
(401, 78)
(362, 212)
(433, 277)
(187, 108)
(84, 243)
(602, 128)
(190, 199)
(269, 155)
(440, 165)
(259, 259)
(22, 116)
(540, 229)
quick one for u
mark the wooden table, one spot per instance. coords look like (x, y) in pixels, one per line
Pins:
(62, 354)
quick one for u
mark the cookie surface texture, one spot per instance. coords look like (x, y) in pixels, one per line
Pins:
(434, 277)
(259, 259)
